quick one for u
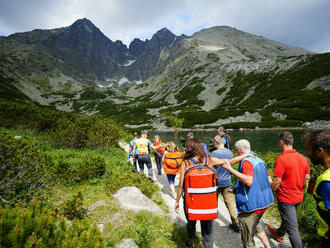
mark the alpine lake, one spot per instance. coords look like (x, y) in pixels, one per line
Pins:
(262, 141)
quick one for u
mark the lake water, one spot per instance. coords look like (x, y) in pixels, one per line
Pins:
(261, 141)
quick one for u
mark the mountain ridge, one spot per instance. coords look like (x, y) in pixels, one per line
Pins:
(214, 76)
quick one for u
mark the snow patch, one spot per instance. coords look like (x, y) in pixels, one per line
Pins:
(138, 82)
(129, 62)
(123, 80)
(104, 86)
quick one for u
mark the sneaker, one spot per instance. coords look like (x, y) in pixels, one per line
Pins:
(234, 228)
(274, 233)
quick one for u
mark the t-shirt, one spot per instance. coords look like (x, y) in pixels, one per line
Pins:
(132, 145)
(324, 191)
(205, 149)
(143, 145)
(247, 169)
(224, 141)
(224, 177)
(291, 167)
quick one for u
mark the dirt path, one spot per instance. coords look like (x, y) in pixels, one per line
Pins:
(224, 237)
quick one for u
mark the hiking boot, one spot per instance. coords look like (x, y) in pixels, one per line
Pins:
(234, 228)
(274, 233)
(151, 178)
(189, 243)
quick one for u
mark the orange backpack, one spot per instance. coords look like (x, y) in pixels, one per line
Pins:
(200, 191)
(172, 162)
(161, 149)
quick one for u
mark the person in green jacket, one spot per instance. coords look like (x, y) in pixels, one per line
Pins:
(318, 150)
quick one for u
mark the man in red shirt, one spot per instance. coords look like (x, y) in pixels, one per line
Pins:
(291, 176)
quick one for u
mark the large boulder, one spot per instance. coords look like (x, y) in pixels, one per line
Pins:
(126, 243)
(131, 198)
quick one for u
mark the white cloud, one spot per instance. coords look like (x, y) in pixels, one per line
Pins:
(302, 23)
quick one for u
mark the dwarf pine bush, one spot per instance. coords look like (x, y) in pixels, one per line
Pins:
(37, 226)
(92, 166)
(73, 208)
(86, 131)
(24, 168)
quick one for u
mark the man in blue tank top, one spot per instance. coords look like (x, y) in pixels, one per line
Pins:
(253, 194)
(224, 180)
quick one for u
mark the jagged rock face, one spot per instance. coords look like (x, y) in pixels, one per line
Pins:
(87, 49)
(148, 53)
(137, 47)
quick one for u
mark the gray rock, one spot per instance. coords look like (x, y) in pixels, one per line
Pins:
(126, 243)
(318, 124)
(101, 226)
(131, 198)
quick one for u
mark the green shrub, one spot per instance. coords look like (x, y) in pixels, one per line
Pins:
(86, 131)
(92, 166)
(70, 133)
(73, 208)
(24, 169)
(38, 226)
(103, 133)
(121, 175)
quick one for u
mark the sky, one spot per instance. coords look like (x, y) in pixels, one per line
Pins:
(299, 23)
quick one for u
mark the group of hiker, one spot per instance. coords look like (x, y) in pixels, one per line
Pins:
(204, 175)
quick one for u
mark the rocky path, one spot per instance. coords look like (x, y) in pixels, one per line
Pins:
(224, 237)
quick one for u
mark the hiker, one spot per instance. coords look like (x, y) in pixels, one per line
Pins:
(132, 143)
(143, 146)
(318, 150)
(190, 135)
(225, 137)
(224, 180)
(195, 154)
(158, 153)
(253, 194)
(291, 176)
(172, 161)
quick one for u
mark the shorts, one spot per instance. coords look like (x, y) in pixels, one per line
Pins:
(170, 178)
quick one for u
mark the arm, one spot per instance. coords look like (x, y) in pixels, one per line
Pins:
(246, 179)
(306, 180)
(276, 183)
(180, 186)
(133, 152)
(217, 161)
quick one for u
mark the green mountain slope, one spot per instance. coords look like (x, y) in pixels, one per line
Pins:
(218, 76)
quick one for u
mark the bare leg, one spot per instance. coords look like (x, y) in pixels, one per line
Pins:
(172, 190)
(263, 237)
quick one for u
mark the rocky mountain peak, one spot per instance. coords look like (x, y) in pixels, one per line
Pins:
(137, 47)
(164, 34)
(83, 22)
